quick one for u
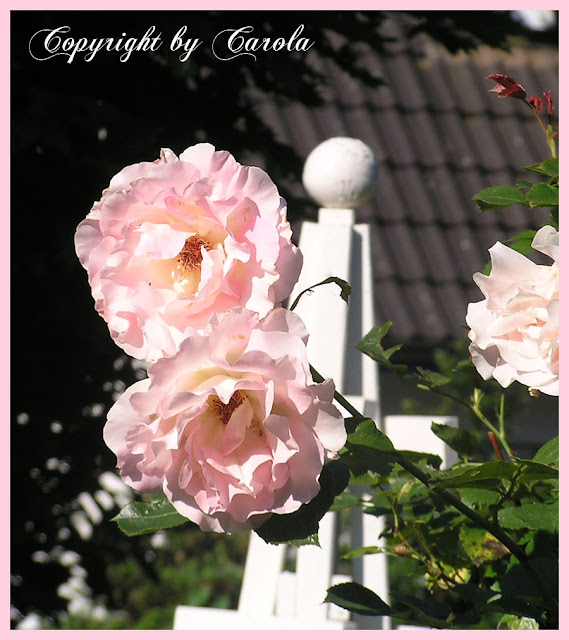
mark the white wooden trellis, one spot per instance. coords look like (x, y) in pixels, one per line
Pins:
(340, 174)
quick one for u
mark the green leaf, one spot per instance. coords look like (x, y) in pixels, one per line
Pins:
(305, 542)
(479, 496)
(523, 184)
(515, 623)
(370, 450)
(481, 546)
(351, 423)
(521, 242)
(548, 168)
(531, 470)
(487, 474)
(362, 551)
(461, 365)
(345, 501)
(518, 584)
(432, 459)
(429, 612)
(549, 453)
(368, 435)
(530, 515)
(371, 346)
(358, 599)
(499, 197)
(340, 475)
(345, 289)
(137, 518)
(303, 523)
(432, 379)
(462, 441)
(543, 195)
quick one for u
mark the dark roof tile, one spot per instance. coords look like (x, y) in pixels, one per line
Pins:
(471, 181)
(269, 112)
(426, 138)
(436, 253)
(454, 139)
(436, 86)
(488, 150)
(468, 253)
(536, 140)
(425, 309)
(387, 198)
(402, 74)
(452, 306)
(464, 85)
(329, 121)
(447, 201)
(395, 137)
(391, 305)
(346, 90)
(401, 244)
(383, 267)
(515, 142)
(439, 137)
(300, 128)
(414, 194)
(381, 97)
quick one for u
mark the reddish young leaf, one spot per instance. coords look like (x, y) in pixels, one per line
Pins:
(507, 87)
(549, 101)
(536, 103)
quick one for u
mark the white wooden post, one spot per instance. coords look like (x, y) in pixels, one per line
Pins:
(340, 174)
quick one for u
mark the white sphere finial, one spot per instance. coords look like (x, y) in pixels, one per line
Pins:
(340, 173)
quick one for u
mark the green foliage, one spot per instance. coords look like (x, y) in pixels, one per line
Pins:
(543, 195)
(549, 167)
(358, 599)
(138, 518)
(463, 442)
(371, 346)
(499, 197)
(549, 453)
(469, 533)
(193, 568)
(521, 242)
(515, 623)
(526, 193)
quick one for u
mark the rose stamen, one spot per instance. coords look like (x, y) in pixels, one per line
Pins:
(255, 427)
(190, 257)
(225, 411)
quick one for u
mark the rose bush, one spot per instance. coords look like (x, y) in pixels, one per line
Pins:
(172, 241)
(515, 329)
(232, 428)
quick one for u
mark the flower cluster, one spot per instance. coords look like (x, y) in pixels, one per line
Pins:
(515, 329)
(188, 259)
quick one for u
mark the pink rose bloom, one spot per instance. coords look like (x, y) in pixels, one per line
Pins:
(515, 330)
(172, 241)
(232, 428)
